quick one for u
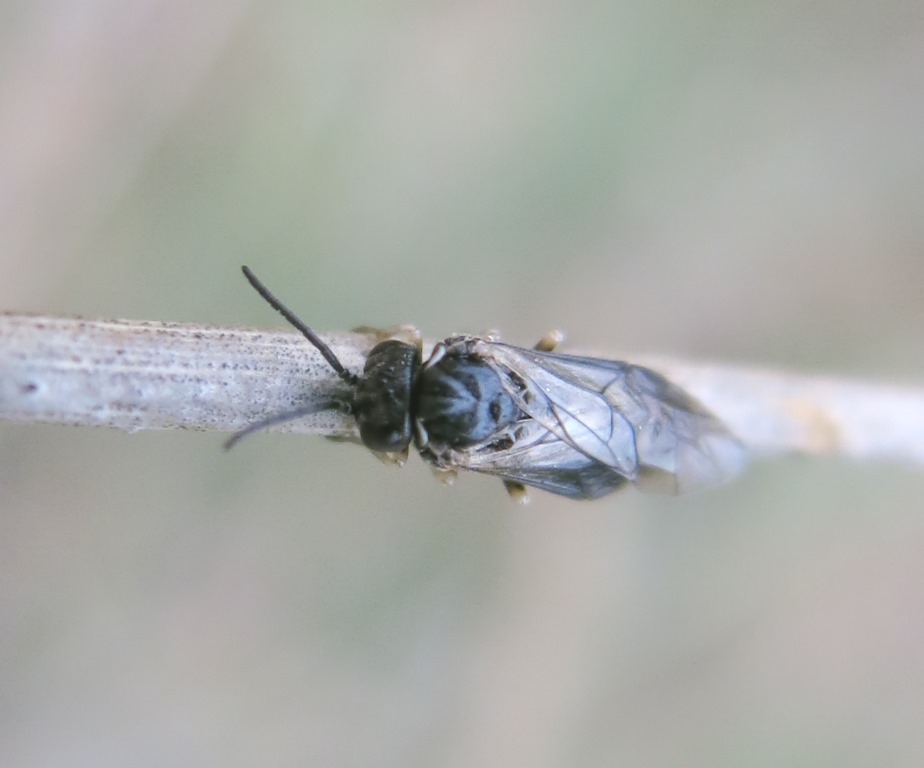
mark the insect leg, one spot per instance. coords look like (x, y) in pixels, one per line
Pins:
(405, 333)
(517, 492)
(395, 458)
(549, 342)
(444, 475)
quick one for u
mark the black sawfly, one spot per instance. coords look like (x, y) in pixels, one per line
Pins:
(579, 427)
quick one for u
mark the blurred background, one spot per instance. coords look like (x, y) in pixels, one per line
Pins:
(723, 181)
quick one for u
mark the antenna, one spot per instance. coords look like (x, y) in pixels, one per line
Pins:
(282, 418)
(326, 352)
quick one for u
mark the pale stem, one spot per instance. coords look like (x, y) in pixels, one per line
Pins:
(137, 375)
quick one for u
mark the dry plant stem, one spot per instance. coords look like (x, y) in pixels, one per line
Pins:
(148, 375)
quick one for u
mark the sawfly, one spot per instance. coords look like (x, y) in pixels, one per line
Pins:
(579, 427)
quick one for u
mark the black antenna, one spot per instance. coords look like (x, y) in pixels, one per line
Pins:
(282, 418)
(326, 352)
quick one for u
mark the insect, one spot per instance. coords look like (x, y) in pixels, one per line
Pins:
(578, 427)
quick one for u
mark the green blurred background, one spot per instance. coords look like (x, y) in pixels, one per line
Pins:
(736, 181)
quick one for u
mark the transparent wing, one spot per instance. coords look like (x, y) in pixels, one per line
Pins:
(589, 482)
(567, 395)
(536, 457)
(626, 417)
(681, 446)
